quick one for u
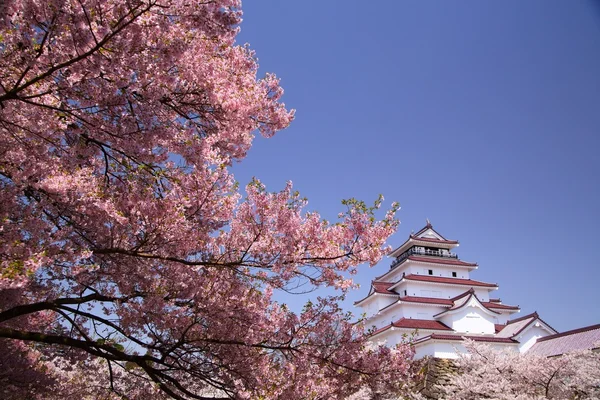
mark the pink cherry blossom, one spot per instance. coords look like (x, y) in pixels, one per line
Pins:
(487, 373)
(131, 263)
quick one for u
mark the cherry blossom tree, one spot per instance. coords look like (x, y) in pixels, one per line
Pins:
(131, 263)
(486, 373)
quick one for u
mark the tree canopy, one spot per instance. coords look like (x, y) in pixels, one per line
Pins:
(131, 263)
(488, 373)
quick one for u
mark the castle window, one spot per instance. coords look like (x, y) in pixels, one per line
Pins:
(430, 272)
(454, 274)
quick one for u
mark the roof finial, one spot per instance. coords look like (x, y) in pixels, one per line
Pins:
(428, 223)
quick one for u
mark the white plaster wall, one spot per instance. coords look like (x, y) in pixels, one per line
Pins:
(376, 303)
(449, 349)
(410, 267)
(393, 336)
(397, 311)
(414, 288)
(482, 294)
(529, 337)
(381, 320)
(439, 349)
(503, 318)
(384, 301)
(368, 308)
(396, 273)
(381, 340)
(470, 320)
(443, 271)
(420, 311)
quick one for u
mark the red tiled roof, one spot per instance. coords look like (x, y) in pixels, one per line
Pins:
(379, 287)
(433, 240)
(453, 281)
(494, 300)
(408, 323)
(382, 287)
(498, 327)
(460, 296)
(561, 343)
(420, 324)
(569, 333)
(382, 329)
(514, 327)
(428, 300)
(498, 306)
(428, 226)
(440, 260)
(532, 315)
(459, 337)
(388, 306)
(475, 338)
(470, 293)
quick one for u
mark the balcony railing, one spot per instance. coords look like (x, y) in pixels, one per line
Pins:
(421, 252)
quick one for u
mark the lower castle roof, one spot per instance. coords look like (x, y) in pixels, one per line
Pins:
(459, 337)
(414, 324)
(452, 281)
(560, 343)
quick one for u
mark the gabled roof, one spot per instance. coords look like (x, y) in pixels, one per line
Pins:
(428, 227)
(463, 301)
(462, 295)
(382, 287)
(445, 280)
(426, 235)
(561, 343)
(378, 287)
(432, 240)
(414, 324)
(516, 326)
(493, 303)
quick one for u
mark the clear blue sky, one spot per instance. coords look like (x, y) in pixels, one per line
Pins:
(482, 116)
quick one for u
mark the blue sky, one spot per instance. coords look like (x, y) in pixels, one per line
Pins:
(482, 116)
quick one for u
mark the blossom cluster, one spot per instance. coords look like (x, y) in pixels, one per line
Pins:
(129, 256)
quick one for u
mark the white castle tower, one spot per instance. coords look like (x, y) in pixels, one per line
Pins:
(428, 296)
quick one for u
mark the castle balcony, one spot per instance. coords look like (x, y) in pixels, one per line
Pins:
(422, 252)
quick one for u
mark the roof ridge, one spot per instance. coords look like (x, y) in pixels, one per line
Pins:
(493, 304)
(460, 296)
(448, 280)
(420, 298)
(421, 319)
(449, 336)
(376, 281)
(533, 314)
(571, 332)
(427, 239)
(398, 322)
(434, 259)
(471, 294)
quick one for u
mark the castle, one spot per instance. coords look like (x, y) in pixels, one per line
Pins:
(428, 296)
